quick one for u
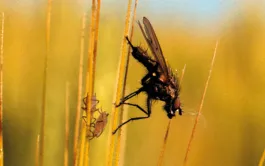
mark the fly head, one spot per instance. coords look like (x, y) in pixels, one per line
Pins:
(172, 107)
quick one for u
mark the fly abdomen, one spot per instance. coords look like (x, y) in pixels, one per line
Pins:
(141, 56)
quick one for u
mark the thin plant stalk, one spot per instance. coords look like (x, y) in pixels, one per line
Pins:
(66, 141)
(162, 152)
(261, 162)
(119, 89)
(82, 144)
(42, 130)
(1, 88)
(124, 137)
(200, 108)
(163, 149)
(118, 146)
(37, 155)
(97, 12)
(79, 93)
(91, 72)
(92, 50)
(84, 157)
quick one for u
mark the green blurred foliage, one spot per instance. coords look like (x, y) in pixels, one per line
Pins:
(230, 132)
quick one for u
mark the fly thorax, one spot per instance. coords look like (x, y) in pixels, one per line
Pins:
(171, 91)
(162, 78)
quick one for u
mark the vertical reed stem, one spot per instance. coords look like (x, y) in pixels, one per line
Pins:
(1, 88)
(66, 143)
(162, 152)
(261, 162)
(200, 109)
(92, 51)
(37, 155)
(120, 78)
(124, 85)
(79, 95)
(42, 133)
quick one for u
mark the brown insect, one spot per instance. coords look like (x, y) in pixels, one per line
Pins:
(93, 105)
(97, 125)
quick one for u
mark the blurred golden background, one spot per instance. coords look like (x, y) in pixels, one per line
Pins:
(232, 125)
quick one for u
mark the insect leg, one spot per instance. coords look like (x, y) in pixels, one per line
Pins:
(94, 120)
(136, 105)
(129, 42)
(130, 96)
(90, 137)
(146, 77)
(137, 118)
(92, 125)
(84, 118)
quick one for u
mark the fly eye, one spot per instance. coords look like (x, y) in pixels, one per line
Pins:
(177, 104)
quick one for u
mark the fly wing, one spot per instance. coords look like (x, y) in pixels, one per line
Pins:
(151, 39)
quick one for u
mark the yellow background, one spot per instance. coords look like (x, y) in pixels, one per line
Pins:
(232, 125)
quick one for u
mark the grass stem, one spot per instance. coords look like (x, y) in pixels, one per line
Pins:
(37, 155)
(66, 143)
(43, 114)
(1, 88)
(119, 89)
(118, 147)
(163, 149)
(200, 108)
(79, 93)
(261, 162)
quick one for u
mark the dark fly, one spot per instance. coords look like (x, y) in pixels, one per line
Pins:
(97, 124)
(160, 83)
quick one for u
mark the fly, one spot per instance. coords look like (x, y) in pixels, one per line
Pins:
(160, 83)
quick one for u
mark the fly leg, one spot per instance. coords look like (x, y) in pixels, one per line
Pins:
(148, 113)
(137, 106)
(129, 42)
(130, 96)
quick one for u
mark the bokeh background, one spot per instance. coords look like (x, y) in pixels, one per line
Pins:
(232, 125)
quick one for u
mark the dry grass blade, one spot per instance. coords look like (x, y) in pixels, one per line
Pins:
(182, 74)
(162, 152)
(92, 65)
(124, 83)
(37, 155)
(97, 12)
(129, 50)
(42, 130)
(66, 143)
(119, 89)
(84, 157)
(200, 109)
(82, 144)
(261, 162)
(92, 50)
(79, 95)
(1, 89)
(163, 149)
